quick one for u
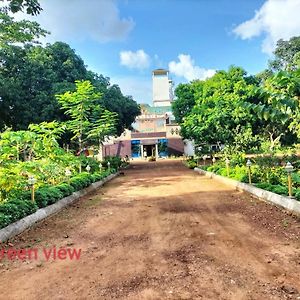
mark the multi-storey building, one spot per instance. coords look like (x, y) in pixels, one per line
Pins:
(155, 132)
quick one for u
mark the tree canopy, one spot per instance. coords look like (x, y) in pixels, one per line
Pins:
(286, 55)
(233, 108)
(30, 77)
(31, 7)
(218, 107)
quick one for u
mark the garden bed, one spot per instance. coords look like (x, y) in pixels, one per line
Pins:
(285, 202)
(42, 213)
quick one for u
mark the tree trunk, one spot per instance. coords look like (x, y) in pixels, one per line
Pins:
(274, 141)
(80, 148)
(100, 152)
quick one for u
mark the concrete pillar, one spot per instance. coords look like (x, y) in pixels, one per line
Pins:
(142, 151)
(156, 151)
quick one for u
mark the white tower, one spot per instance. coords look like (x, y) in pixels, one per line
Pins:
(162, 88)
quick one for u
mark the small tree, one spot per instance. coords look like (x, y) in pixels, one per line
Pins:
(103, 126)
(78, 105)
(49, 133)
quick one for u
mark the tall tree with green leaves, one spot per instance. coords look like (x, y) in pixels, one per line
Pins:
(79, 105)
(278, 106)
(218, 109)
(102, 126)
(23, 31)
(126, 108)
(286, 55)
(185, 94)
(49, 133)
(30, 77)
(31, 7)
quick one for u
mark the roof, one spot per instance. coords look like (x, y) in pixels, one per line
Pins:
(160, 71)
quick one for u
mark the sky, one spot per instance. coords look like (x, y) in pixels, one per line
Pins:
(127, 39)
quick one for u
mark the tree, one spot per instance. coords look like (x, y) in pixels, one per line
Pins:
(78, 105)
(218, 109)
(185, 99)
(30, 77)
(31, 7)
(103, 125)
(286, 55)
(23, 31)
(126, 108)
(277, 106)
(18, 145)
(49, 134)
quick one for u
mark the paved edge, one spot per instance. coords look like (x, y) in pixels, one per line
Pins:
(42, 213)
(286, 202)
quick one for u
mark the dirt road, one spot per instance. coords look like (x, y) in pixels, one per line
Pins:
(161, 231)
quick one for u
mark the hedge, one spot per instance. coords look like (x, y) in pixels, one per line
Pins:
(19, 205)
(13, 210)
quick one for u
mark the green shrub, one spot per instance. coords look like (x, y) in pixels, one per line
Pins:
(192, 163)
(216, 168)
(77, 183)
(279, 189)
(296, 180)
(297, 194)
(263, 185)
(14, 210)
(81, 181)
(47, 195)
(240, 173)
(93, 163)
(275, 188)
(65, 188)
(112, 171)
(97, 176)
(86, 178)
(267, 161)
(20, 205)
(115, 162)
(4, 220)
(27, 206)
(20, 195)
(11, 211)
(41, 198)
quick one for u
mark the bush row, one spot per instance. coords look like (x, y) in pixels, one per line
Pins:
(274, 185)
(20, 204)
(278, 189)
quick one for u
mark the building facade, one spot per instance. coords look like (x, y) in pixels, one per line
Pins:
(154, 133)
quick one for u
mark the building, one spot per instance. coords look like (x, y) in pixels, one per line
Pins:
(162, 88)
(155, 133)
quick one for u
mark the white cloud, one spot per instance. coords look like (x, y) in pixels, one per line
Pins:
(80, 20)
(138, 87)
(186, 68)
(135, 60)
(277, 19)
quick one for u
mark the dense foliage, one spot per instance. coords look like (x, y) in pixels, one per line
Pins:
(31, 76)
(36, 152)
(267, 172)
(245, 112)
(47, 98)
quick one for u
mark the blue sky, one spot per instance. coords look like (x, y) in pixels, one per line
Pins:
(126, 39)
